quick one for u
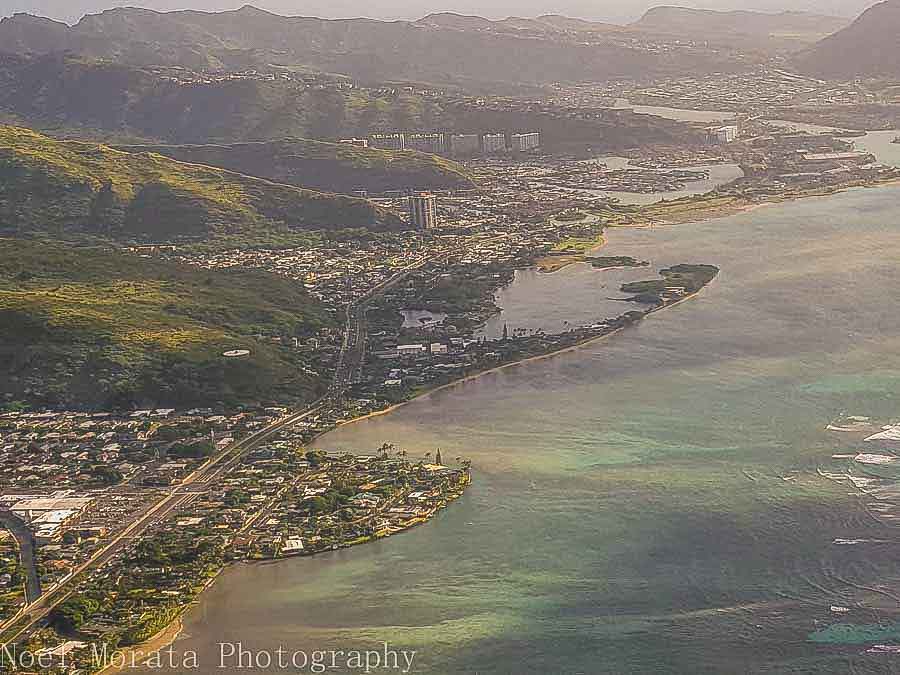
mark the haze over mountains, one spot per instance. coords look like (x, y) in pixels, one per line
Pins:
(870, 46)
(445, 48)
(363, 49)
(699, 22)
(621, 11)
(441, 48)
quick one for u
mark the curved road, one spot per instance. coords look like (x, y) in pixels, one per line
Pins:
(25, 538)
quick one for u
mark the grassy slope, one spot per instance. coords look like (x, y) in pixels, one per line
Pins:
(63, 94)
(332, 167)
(103, 100)
(69, 187)
(94, 328)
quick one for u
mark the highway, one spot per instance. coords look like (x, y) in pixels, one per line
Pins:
(347, 370)
(353, 351)
(16, 628)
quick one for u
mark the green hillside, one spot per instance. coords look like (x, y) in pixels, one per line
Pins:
(64, 93)
(104, 101)
(331, 167)
(94, 328)
(71, 189)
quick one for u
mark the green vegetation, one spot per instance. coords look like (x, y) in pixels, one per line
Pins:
(676, 281)
(72, 189)
(139, 600)
(852, 634)
(193, 450)
(465, 293)
(98, 328)
(70, 616)
(12, 587)
(72, 97)
(609, 262)
(82, 97)
(334, 499)
(331, 167)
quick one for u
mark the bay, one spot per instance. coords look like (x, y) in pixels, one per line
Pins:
(651, 503)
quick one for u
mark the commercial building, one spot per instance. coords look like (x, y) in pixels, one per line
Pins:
(423, 211)
(493, 144)
(388, 141)
(357, 142)
(411, 350)
(465, 145)
(526, 142)
(46, 516)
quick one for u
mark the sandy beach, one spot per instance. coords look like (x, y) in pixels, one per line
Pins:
(127, 656)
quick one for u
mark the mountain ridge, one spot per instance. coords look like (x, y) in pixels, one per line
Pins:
(522, 51)
(75, 190)
(868, 47)
(679, 20)
(328, 167)
(610, 11)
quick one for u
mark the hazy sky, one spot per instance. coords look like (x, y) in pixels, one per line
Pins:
(608, 10)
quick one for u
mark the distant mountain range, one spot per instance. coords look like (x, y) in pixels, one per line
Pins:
(73, 97)
(616, 11)
(698, 22)
(441, 48)
(870, 46)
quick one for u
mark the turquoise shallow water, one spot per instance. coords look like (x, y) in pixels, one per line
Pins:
(648, 504)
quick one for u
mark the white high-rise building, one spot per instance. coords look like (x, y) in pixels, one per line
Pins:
(493, 143)
(434, 144)
(526, 142)
(423, 211)
(388, 141)
(722, 135)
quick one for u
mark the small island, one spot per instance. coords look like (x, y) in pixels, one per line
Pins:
(616, 262)
(677, 282)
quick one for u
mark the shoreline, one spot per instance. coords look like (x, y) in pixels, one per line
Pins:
(551, 264)
(699, 213)
(172, 632)
(129, 657)
(496, 369)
